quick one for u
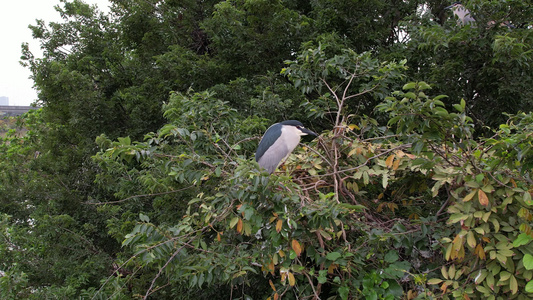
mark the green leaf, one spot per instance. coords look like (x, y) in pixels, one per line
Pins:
(454, 218)
(423, 85)
(333, 256)
(357, 208)
(504, 275)
(391, 256)
(522, 239)
(527, 198)
(124, 141)
(144, 218)
(233, 222)
(529, 287)
(409, 86)
(528, 261)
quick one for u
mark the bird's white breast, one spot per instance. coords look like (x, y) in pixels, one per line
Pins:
(291, 138)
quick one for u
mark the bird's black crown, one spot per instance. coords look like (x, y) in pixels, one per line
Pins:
(292, 123)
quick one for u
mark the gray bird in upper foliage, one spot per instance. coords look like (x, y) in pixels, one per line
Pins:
(464, 17)
(462, 13)
(278, 142)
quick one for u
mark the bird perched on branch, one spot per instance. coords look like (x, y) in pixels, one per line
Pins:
(464, 17)
(462, 13)
(278, 142)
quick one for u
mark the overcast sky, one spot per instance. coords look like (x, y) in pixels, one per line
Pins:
(15, 16)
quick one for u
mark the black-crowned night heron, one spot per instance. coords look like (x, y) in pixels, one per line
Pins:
(462, 13)
(464, 17)
(278, 142)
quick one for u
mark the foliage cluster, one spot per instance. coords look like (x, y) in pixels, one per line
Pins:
(136, 179)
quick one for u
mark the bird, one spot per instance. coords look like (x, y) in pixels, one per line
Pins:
(464, 17)
(278, 142)
(462, 13)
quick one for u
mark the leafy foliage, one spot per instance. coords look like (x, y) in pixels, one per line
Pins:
(136, 179)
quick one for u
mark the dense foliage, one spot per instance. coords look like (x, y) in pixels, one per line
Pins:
(136, 179)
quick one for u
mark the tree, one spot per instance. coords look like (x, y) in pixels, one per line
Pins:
(136, 178)
(319, 232)
(487, 65)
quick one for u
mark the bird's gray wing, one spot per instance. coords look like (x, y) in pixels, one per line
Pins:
(271, 135)
(271, 149)
(273, 156)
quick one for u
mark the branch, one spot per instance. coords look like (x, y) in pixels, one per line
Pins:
(317, 296)
(161, 271)
(138, 196)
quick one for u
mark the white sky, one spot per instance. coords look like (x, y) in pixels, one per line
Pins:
(15, 16)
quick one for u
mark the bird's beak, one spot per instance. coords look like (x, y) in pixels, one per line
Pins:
(450, 7)
(308, 132)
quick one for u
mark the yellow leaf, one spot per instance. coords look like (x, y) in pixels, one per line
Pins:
(355, 187)
(283, 276)
(276, 296)
(389, 161)
(461, 253)
(331, 268)
(513, 284)
(281, 253)
(396, 164)
(272, 285)
(444, 287)
(239, 226)
(278, 225)
(480, 252)
(469, 196)
(444, 272)
(483, 199)
(271, 268)
(218, 237)
(434, 281)
(451, 272)
(296, 247)
(292, 280)
(470, 239)
(448, 254)
(353, 126)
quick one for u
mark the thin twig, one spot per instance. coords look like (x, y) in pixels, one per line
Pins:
(161, 271)
(317, 297)
(138, 196)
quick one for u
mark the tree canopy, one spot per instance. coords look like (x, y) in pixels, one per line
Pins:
(136, 178)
